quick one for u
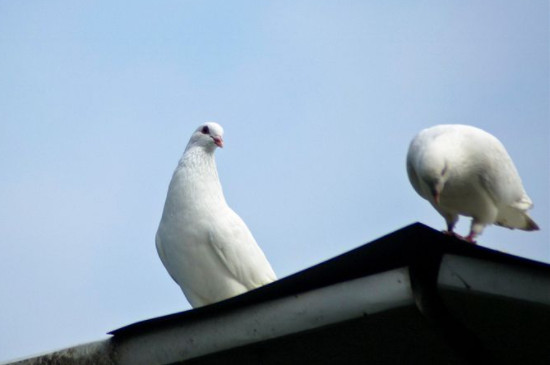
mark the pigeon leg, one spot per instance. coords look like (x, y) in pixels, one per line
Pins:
(451, 222)
(475, 230)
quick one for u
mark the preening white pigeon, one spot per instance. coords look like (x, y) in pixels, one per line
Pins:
(205, 246)
(463, 170)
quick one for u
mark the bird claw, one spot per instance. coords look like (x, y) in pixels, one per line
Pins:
(453, 234)
(469, 238)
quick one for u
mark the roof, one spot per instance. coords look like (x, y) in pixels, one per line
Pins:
(413, 296)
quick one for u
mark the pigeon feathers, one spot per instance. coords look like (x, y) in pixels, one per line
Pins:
(463, 170)
(205, 246)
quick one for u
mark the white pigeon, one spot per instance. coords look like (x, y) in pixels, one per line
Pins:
(205, 246)
(463, 170)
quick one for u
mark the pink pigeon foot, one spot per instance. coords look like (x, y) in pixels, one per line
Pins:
(453, 234)
(471, 238)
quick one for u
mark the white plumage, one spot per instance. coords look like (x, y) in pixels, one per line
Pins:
(463, 170)
(205, 246)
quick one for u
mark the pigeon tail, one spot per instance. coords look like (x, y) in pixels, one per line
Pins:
(511, 217)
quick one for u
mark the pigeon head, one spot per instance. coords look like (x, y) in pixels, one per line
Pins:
(207, 136)
(434, 176)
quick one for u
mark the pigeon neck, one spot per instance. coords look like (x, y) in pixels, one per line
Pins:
(201, 173)
(198, 158)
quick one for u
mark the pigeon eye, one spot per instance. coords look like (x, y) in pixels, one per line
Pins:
(205, 130)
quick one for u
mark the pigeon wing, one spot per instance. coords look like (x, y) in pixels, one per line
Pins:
(237, 249)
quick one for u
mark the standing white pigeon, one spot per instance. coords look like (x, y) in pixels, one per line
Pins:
(205, 246)
(463, 170)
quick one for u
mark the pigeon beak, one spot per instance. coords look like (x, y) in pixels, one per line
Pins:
(436, 198)
(436, 191)
(218, 141)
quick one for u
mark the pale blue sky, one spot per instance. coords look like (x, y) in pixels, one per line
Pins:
(318, 99)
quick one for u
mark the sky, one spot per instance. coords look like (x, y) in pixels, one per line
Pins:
(319, 101)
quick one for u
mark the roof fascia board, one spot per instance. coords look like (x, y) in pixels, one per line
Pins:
(306, 311)
(471, 274)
